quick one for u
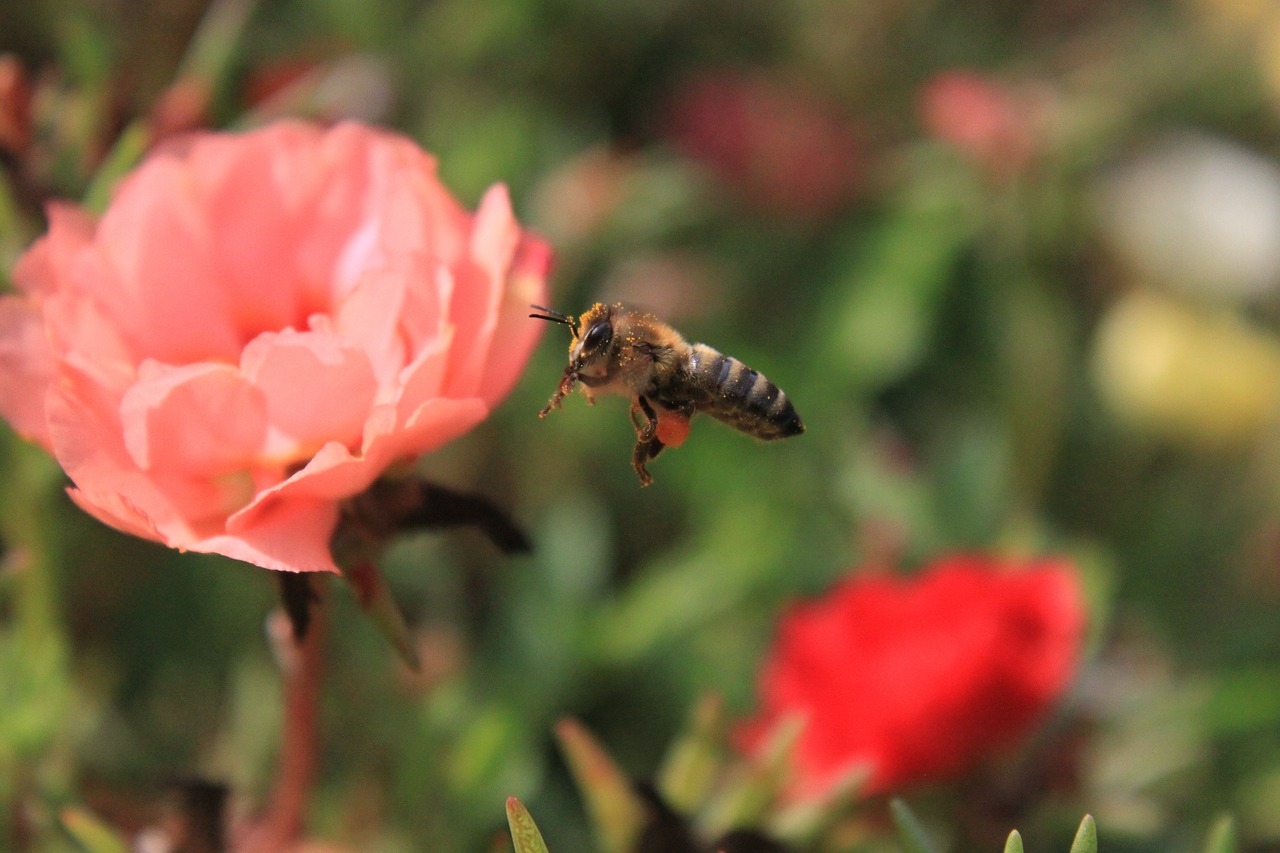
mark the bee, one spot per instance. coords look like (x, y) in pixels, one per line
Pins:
(619, 349)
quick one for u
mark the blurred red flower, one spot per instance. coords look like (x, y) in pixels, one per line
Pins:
(258, 326)
(784, 147)
(917, 679)
(15, 106)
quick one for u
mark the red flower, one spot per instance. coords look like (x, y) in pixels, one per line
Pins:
(920, 678)
(786, 148)
(15, 106)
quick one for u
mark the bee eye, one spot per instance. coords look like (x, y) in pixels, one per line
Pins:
(597, 337)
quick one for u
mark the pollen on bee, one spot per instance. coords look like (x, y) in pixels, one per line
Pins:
(672, 429)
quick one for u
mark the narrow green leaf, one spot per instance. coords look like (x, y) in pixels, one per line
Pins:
(217, 40)
(616, 813)
(15, 231)
(914, 838)
(745, 799)
(807, 821)
(690, 766)
(1014, 844)
(1222, 836)
(375, 598)
(130, 145)
(90, 833)
(1086, 837)
(524, 832)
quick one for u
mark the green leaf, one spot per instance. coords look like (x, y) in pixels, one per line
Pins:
(891, 281)
(674, 599)
(1222, 836)
(1086, 837)
(1244, 701)
(216, 42)
(524, 832)
(746, 799)
(690, 767)
(90, 833)
(375, 599)
(15, 231)
(914, 838)
(35, 679)
(807, 821)
(615, 811)
(123, 156)
(1014, 844)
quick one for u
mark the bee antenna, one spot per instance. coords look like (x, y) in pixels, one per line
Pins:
(553, 316)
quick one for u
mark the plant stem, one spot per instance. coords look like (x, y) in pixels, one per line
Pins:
(303, 671)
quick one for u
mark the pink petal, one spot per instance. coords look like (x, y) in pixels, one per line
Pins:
(481, 279)
(66, 277)
(379, 202)
(422, 380)
(419, 214)
(82, 336)
(516, 335)
(257, 196)
(158, 243)
(43, 268)
(114, 509)
(285, 535)
(371, 317)
(335, 473)
(88, 442)
(200, 420)
(318, 387)
(26, 368)
(425, 322)
(436, 423)
(283, 158)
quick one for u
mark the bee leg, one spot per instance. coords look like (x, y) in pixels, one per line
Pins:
(644, 451)
(640, 419)
(648, 445)
(567, 383)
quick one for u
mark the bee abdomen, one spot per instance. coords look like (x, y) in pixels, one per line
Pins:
(741, 397)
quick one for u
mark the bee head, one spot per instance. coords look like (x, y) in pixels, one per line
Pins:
(592, 332)
(596, 333)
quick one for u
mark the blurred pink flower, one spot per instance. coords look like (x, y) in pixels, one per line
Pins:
(257, 327)
(988, 121)
(786, 148)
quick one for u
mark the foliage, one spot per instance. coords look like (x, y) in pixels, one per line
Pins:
(989, 348)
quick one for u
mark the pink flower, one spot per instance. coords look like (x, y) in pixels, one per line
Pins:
(994, 124)
(920, 678)
(257, 327)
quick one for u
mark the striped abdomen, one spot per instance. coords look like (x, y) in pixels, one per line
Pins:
(745, 399)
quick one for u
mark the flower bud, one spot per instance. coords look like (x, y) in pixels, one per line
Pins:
(1184, 374)
(1198, 214)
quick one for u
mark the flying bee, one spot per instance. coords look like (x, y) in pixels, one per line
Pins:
(618, 349)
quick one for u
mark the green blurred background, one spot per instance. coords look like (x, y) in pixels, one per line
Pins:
(1017, 264)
